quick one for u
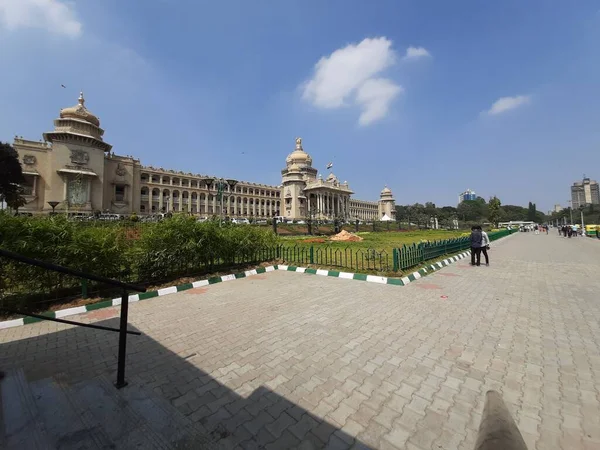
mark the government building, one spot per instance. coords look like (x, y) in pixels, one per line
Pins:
(74, 170)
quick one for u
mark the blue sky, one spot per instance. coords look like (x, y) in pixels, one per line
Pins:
(428, 97)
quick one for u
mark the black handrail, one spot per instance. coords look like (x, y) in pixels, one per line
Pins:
(68, 271)
(124, 305)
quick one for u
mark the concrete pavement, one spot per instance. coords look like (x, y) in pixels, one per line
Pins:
(286, 359)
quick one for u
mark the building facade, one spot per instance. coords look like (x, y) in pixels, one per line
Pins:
(467, 195)
(585, 192)
(74, 170)
(307, 194)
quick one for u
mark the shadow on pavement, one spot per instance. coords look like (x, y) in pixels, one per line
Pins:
(264, 419)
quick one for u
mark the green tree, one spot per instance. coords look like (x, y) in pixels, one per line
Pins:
(472, 210)
(11, 177)
(494, 211)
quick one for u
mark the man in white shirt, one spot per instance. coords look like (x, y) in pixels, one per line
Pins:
(485, 246)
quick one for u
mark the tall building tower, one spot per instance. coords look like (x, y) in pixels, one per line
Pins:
(387, 204)
(467, 195)
(585, 192)
(79, 157)
(297, 173)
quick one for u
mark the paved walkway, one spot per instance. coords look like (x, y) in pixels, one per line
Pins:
(286, 359)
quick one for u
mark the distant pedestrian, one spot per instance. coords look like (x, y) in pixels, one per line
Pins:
(475, 245)
(485, 246)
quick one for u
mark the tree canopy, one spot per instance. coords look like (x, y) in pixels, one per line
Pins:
(469, 211)
(11, 177)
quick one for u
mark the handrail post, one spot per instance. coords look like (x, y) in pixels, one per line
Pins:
(121, 383)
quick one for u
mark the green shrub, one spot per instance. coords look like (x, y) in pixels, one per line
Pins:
(182, 244)
(125, 251)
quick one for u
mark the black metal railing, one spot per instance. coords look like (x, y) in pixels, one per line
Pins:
(123, 319)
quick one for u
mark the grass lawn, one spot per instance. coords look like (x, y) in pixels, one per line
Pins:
(380, 240)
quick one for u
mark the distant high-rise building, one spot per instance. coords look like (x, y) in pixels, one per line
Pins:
(557, 208)
(467, 195)
(585, 192)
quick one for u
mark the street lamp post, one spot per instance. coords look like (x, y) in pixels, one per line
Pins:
(220, 185)
(53, 205)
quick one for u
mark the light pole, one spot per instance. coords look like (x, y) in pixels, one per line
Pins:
(571, 211)
(220, 185)
(53, 205)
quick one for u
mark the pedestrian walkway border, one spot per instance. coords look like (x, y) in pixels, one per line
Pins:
(61, 313)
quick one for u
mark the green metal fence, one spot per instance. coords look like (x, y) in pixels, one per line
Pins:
(370, 259)
(415, 254)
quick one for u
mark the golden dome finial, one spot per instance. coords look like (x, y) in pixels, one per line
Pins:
(298, 143)
(81, 100)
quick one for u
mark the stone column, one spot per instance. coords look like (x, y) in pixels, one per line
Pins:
(319, 203)
(160, 199)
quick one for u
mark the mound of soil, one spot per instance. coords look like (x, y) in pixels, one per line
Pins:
(346, 236)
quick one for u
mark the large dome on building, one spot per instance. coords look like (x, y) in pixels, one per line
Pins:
(299, 156)
(79, 112)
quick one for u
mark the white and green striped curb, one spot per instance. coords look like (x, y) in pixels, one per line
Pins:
(374, 278)
(61, 313)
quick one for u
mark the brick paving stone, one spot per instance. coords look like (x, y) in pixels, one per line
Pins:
(397, 437)
(282, 423)
(526, 326)
(303, 426)
(259, 421)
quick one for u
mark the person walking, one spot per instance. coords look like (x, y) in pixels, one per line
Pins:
(485, 246)
(475, 245)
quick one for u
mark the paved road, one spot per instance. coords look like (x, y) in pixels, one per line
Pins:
(287, 359)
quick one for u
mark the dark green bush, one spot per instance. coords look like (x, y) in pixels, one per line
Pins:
(135, 252)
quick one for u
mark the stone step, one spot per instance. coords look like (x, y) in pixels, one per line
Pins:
(23, 427)
(101, 406)
(63, 425)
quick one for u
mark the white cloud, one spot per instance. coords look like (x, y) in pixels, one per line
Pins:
(507, 103)
(416, 52)
(54, 16)
(375, 96)
(349, 77)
